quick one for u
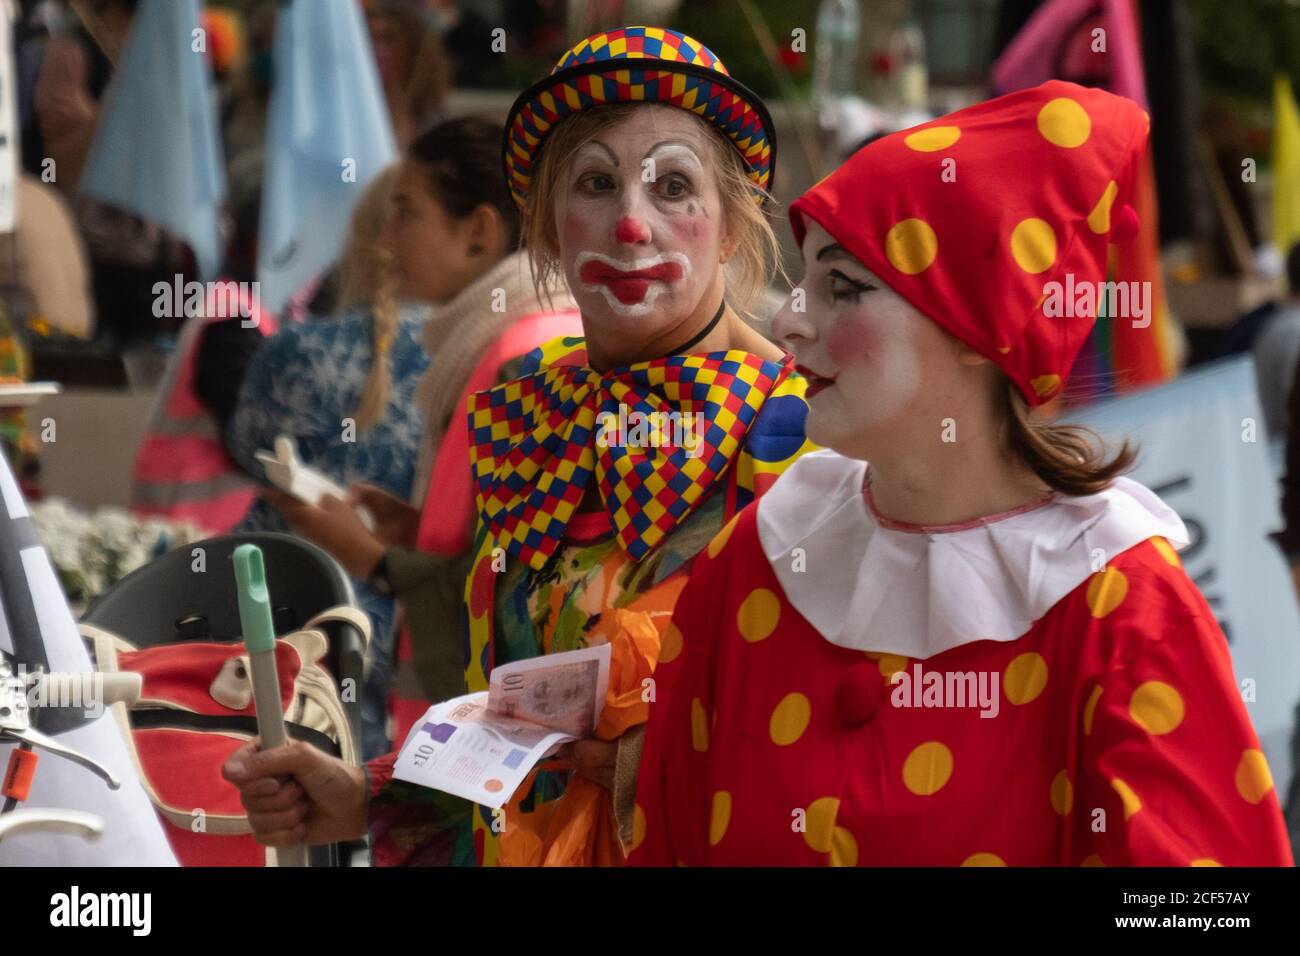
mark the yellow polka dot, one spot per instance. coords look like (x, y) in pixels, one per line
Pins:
(844, 848)
(1063, 122)
(1045, 386)
(1033, 245)
(789, 719)
(1004, 349)
(1025, 678)
(1099, 218)
(758, 615)
(1106, 591)
(932, 139)
(1205, 862)
(1062, 793)
(891, 664)
(1090, 709)
(670, 645)
(927, 768)
(1092, 859)
(1166, 551)
(1156, 707)
(720, 539)
(983, 859)
(819, 823)
(638, 827)
(719, 817)
(1126, 795)
(699, 726)
(911, 246)
(1253, 778)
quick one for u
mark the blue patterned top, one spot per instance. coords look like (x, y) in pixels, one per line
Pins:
(303, 382)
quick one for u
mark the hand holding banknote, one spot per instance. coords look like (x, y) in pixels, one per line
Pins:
(482, 746)
(594, 759)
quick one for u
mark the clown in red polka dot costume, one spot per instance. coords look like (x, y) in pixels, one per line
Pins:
(958, 636)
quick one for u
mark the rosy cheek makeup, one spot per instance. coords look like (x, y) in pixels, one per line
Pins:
(852, 340)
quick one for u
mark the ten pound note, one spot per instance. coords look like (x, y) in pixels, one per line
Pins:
(482, 746)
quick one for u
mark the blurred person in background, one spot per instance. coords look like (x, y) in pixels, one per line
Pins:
(467, 38)
(75, 70)
(243, 119)
(45, 293)
(413, 67)
(451, 234)
(128, 255)
(1276, 349)
(341, 387)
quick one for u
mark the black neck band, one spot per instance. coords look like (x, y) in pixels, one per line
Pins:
(713, 322)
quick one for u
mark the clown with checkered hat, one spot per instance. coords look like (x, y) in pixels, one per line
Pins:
(642, 169)
(957, 635)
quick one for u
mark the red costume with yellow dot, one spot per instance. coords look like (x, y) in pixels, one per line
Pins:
(1040, 687)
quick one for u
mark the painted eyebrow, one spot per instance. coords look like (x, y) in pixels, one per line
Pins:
(680, 144)
(596, 144)
(833, 251)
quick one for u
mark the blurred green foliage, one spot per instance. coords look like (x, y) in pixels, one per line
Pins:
(1240, 44)
(722, 27)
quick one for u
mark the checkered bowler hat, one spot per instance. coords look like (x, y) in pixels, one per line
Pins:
(638, 65)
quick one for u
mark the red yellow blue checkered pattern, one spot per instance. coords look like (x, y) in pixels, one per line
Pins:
(534, 446)
(638, 64)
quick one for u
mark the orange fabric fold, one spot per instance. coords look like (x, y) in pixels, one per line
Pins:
(580, 828)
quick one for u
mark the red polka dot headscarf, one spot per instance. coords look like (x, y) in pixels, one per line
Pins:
(971, 217)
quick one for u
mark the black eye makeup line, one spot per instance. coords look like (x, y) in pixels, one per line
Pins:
(858, 285)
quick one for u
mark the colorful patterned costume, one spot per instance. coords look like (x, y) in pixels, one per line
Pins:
(579, 585)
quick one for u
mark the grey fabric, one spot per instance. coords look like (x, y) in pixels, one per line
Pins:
(1277, 351)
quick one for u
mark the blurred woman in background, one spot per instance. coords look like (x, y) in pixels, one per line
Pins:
(413, 67)
(341, 388)
(447, 244)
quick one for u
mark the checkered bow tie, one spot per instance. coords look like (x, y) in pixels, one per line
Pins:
(657, 434)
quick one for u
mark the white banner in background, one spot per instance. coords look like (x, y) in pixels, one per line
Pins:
(1204, 451)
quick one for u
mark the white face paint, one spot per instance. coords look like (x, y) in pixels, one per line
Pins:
(630, 286)
(639, 218)
(877, 367)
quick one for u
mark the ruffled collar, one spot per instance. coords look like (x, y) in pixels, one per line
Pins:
(871, 584)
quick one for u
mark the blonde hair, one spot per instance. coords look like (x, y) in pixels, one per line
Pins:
(757, 254)
(364, 260)
(366, 279)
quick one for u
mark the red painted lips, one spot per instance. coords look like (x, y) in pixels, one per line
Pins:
(815, 382)
(629, 287)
